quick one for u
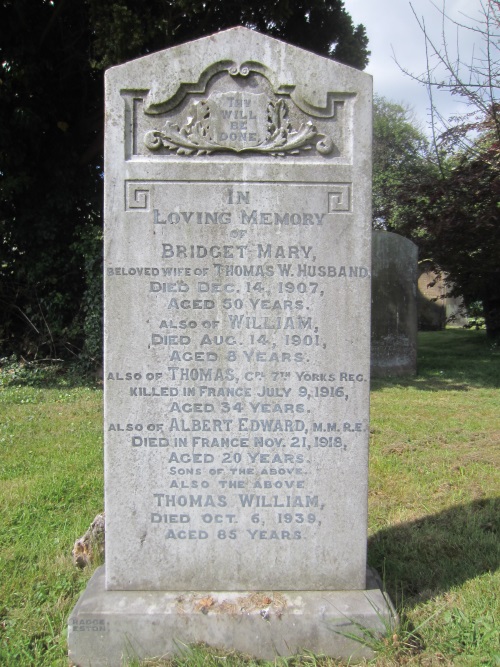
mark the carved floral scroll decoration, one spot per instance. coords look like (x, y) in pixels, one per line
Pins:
(272, 135)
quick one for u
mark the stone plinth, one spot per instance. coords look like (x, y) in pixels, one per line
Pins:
(108, 627)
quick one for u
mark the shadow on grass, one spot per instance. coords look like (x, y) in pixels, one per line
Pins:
(423, 558)
(451, 360)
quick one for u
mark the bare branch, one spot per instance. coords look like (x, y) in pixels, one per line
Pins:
(476, 81)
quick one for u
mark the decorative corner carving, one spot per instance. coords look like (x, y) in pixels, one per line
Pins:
(137, 196)
(339, 198)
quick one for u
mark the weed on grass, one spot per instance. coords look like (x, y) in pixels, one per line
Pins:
(433, 508)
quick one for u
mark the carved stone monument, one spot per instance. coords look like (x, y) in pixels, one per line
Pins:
(237, 317)
(394, 305)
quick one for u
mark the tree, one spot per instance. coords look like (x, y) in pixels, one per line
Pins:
(50, 171)
(400, 161)
(52, 57)
(455, 216)
(455, 220)
(476, 82)
(126, 28)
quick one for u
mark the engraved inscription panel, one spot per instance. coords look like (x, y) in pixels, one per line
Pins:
(238, 119)
(236, 404)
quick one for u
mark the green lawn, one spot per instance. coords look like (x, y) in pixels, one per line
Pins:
(434, 527)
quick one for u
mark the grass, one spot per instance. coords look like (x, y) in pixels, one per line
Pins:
(434, 498)
(50, 486)
(434, 527)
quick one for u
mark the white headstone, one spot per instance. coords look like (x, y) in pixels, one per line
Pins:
(237, 320)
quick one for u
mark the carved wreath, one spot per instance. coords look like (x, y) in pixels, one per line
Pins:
(195, 137)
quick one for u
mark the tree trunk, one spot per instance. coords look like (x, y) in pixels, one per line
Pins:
(491, 309)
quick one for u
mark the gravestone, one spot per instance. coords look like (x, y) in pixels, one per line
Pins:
(394, 305)
(435, 305)
(237, 314)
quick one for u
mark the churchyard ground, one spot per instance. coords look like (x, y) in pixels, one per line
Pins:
(434, 519)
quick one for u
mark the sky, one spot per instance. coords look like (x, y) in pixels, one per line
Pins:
(394, 34)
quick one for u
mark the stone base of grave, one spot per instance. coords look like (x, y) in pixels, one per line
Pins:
(108, 627)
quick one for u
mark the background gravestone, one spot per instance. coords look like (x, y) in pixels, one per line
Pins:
(394, 305)
(436, 308)
(237, 311)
